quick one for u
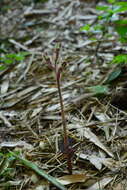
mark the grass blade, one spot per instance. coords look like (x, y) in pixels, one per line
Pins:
(39, 171)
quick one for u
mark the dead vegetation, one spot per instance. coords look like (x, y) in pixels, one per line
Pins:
(30, 114)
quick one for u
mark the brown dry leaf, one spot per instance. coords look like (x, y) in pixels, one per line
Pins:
(16, 144)
(101, 184)
(13, 183)
(4, 86)
(4, 119)
(121, 186)
(42, 187)
(36, 112)
(93, 138)
(95, 160)
(30, 12)
(112, 164)
(20, 96)
(75, 178)
(103, 117)
(87, 133)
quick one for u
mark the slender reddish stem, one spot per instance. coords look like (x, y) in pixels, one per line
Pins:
(66, 143)
(57, 69)
(62, 114)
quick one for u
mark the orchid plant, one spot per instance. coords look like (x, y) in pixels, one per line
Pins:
(57, 65)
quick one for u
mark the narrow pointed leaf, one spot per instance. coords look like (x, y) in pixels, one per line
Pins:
(39, 171)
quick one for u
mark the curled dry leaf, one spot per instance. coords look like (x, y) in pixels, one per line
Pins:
(75, 178)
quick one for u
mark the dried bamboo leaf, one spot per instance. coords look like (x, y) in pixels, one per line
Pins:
(69, 179)
(93, 138)
(101, 184)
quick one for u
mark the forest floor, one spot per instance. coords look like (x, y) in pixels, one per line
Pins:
(93, 89)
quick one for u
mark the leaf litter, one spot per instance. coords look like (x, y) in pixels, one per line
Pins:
(30, 118)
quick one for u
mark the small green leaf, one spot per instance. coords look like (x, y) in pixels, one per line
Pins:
(122, 3)
(114, 75)
(17, 56)
(2, 67)
(85, 28)
(8, 61)
(102, 8)
(121, 22)
(122, 31)
(98, 27)
(120, 9)
(21, 56)
(111, 1)
(107, 16)
(121, 58)
(99, 89)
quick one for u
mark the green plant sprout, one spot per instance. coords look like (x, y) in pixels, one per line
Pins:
(9, 59)
(110, 17)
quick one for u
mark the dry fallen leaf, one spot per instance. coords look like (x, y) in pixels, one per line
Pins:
(93, 138)
(100, 184)
(121, 186)
(113, 165)
(87, 133)
(11, 144)
(75, 178)
(95, 160)
(4, 86)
